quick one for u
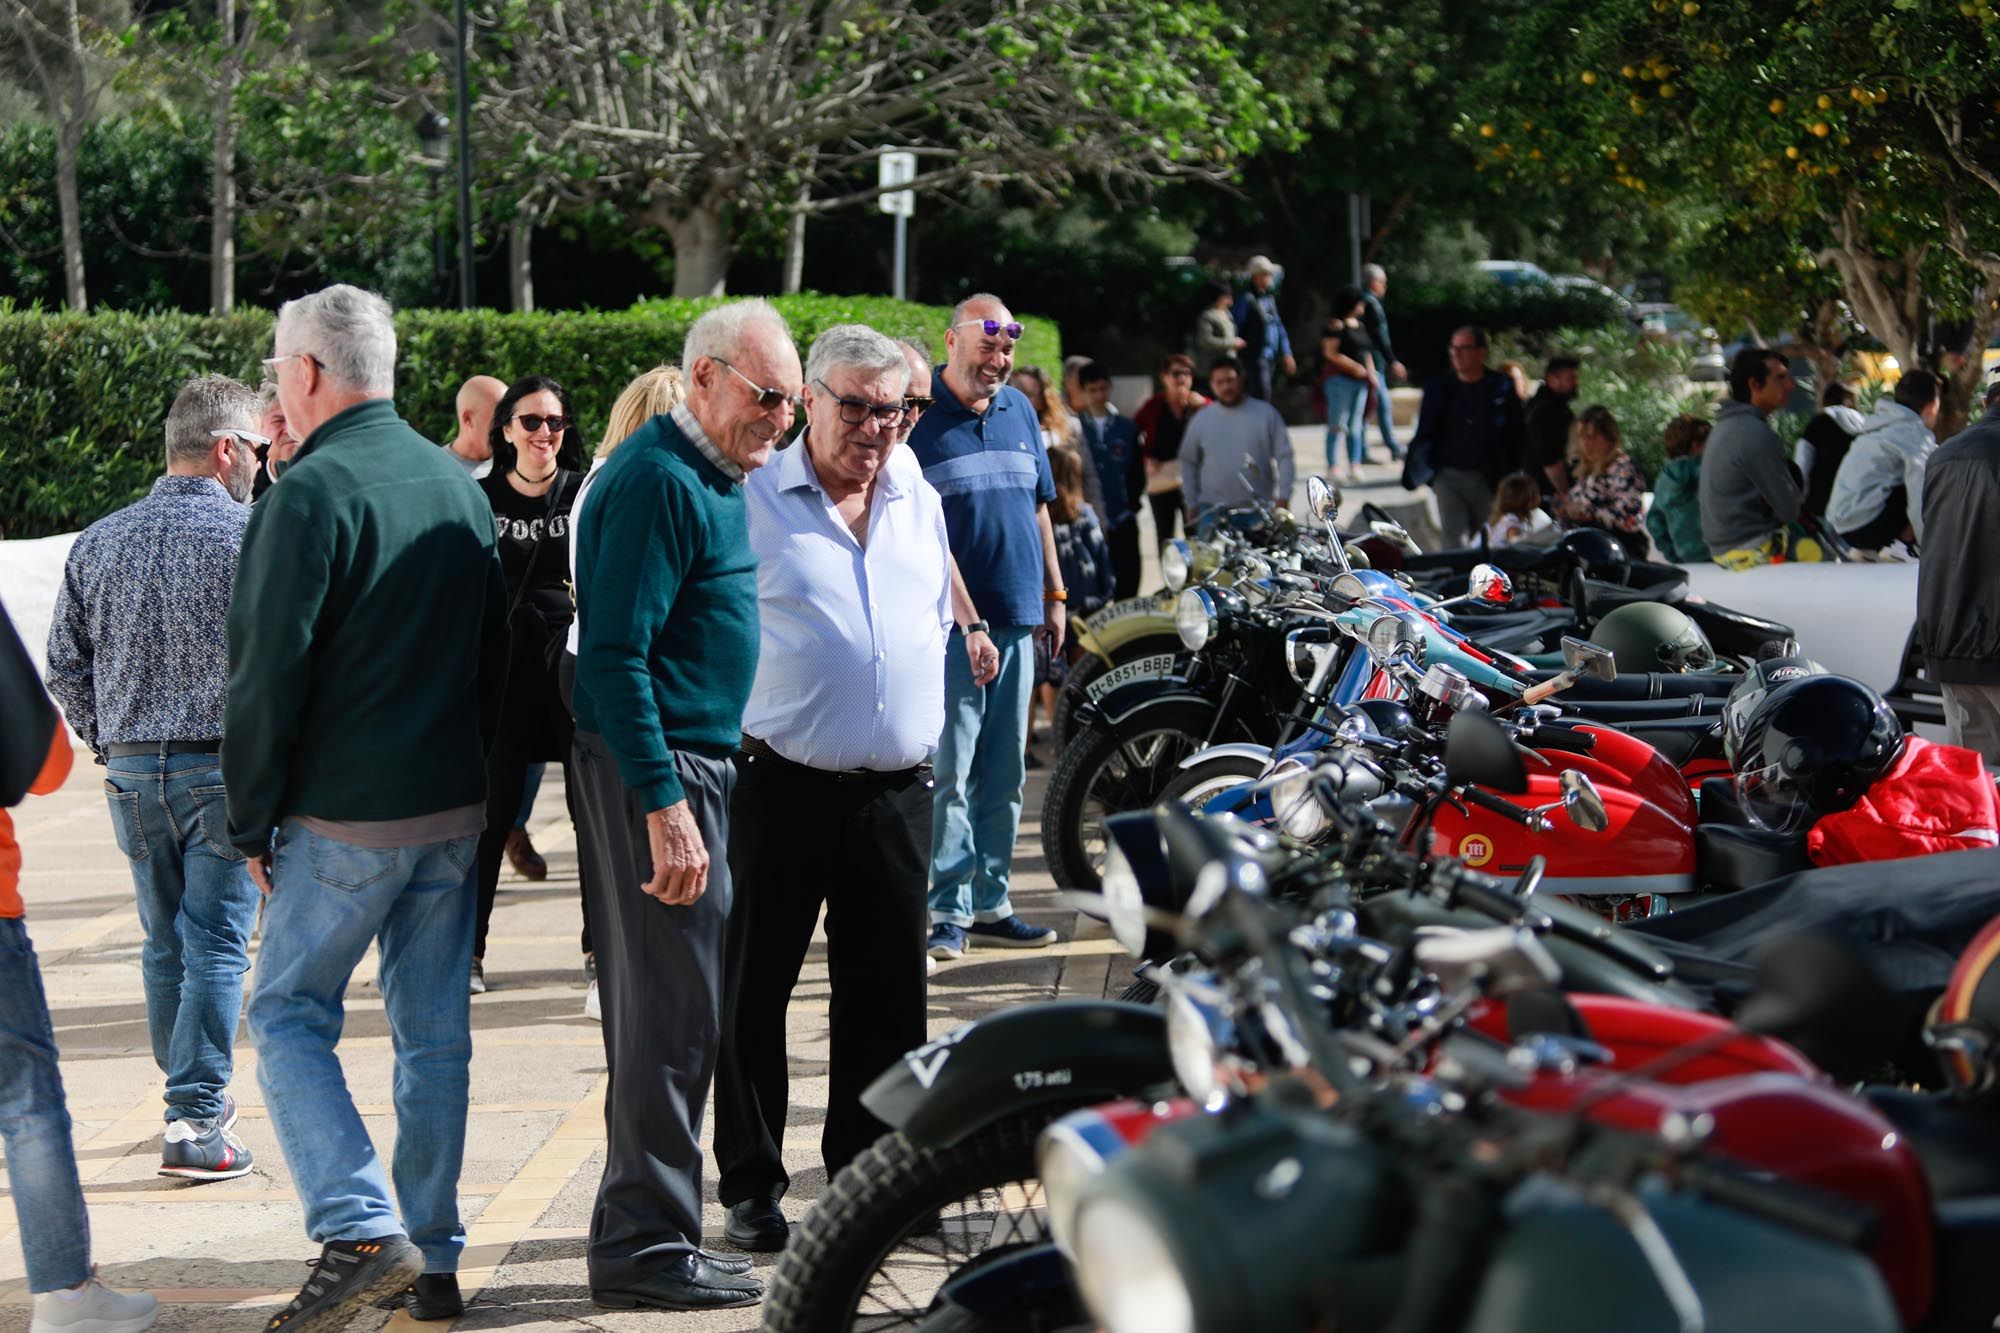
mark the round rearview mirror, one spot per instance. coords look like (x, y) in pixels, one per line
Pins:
(1583, 803)
(1488, 583)
(1323, 500)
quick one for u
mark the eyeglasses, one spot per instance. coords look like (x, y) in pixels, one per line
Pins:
(914, 407)
(259, 444)
(271, 363)
(992, 328)
(530, 421)
(855, 411)
(768, 399)
(1178, 375)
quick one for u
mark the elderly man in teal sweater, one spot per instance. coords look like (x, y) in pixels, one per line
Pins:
(666, 590)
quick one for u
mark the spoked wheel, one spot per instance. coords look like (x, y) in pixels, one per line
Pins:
(1211, 777)
(1105, 773)
(900, 1221)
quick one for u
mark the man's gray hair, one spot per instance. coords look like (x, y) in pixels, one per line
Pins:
(205, 404)
(1374, 273)
(958, 311)
(267, 394)
(855, 347)
(350, 332)
(718, 334)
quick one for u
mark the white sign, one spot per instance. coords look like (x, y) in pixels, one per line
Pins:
(898, 169)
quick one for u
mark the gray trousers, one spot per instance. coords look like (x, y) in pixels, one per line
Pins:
(659, 978)
(1464, 500)
(1972, 719)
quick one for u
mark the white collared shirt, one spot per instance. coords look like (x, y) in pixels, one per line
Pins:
(850, 667)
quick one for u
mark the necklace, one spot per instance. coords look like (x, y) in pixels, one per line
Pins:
(536, 481)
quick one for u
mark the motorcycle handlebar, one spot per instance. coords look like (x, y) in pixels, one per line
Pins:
(1500, 805)
(1797, 1207)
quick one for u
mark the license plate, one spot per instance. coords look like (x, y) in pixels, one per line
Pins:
(1143, 668)
(1131, 606)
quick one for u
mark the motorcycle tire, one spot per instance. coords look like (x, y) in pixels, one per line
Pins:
(1194, 786)
(1144, 990)
(1099, 774)
(885, 1197)
(1075, 689)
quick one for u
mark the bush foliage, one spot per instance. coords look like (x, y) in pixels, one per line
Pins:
(87, 395)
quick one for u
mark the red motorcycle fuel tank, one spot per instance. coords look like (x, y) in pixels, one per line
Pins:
(1643, 840)
(1620, 760)
(1635, 1033)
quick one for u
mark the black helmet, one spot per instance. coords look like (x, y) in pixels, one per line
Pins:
(1385, 717)
(1652, 636)
(1757, 682)
(1812, 748)
(1597, 553)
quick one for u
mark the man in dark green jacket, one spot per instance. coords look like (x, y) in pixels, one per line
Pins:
(666, 586)
(367, 652)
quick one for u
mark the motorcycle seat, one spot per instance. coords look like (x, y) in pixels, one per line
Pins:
(1957, 1142)
(1638, 685)
(1717, 799)
(1679, 739)
(1613, 712)
(1726, 857)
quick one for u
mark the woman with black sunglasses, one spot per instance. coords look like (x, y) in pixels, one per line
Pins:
(537, 453)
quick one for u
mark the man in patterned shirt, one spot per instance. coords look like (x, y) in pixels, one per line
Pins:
(137, 660)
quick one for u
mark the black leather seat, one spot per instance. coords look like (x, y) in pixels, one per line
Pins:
(1680, 739)
(1614, 712)
(1957, 1142)
(1717, 799)
(1633, 686)
(1726, 857)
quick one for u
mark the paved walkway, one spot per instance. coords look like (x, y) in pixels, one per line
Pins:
(225, 1256)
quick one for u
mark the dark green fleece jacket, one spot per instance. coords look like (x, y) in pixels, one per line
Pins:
(367, 634)
(667, 602)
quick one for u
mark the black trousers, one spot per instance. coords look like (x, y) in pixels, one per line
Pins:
(1167, 506)
(659, 977)
(1124, 543)
(506, 780)
(1886, 527)
(800, 837)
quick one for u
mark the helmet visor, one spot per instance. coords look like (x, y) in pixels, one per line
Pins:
(1772, 800)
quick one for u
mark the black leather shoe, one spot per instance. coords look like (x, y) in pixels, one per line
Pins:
(435, 1296)
(734, 1264)
(689, 1283)
(757, 1225)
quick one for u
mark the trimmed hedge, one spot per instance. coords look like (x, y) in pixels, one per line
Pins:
(86, 396)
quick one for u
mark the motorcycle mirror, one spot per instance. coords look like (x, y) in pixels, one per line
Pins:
(1322, 500)
(1583, 802)
(1394, 633)
(1489, 583)
(1588, 660)
(1478, 752)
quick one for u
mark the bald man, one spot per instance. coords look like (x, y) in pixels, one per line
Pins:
(473, 448)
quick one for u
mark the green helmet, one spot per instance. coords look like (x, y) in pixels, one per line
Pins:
(1652, 636)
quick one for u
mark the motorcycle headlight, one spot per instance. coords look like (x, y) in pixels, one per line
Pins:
(1067, 1160)
(1195, 619)
(1296, 804)
(1124, 903)
(1175, 562)
(1197, 1034)
(1127, 1272)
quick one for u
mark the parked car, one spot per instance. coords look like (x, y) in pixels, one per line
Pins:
(1581, 282)
(1514, 272)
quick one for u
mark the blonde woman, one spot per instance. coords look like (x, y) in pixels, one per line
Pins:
(1609, 491)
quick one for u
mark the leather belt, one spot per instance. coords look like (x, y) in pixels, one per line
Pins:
(761, 752)
(128, 749)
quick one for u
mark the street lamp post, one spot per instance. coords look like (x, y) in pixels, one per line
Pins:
(432, 127)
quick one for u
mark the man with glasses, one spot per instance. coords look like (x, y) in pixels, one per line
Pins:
(1470, 434)
(1750, 492)
(666, 583)
(275, 454)
(139, 663)
(367, 652)
(833, 792)
(981, 448)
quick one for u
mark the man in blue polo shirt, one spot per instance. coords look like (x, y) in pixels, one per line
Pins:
(980, 446)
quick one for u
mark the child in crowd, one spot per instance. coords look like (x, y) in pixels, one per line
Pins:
(1085, 559)
(1675, 518)
(1517, 512)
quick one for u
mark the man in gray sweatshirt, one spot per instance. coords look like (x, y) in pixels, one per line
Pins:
(1748, 490)
(1236, 450)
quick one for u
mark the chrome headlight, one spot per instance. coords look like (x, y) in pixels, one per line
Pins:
(1067, 1161)
(1296, 805)
(1197, 1034)
(1195, 619)
(1175, 562)
(1127, 1272)
(1124, 903)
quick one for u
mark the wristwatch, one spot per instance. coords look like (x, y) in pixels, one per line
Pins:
(977, 627)
(1057, 595)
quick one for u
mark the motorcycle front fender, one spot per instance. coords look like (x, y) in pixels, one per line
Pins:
(1116, 626)
(1234, 750)
(1061, 1052)
(1119, 707)
(1031, 1288)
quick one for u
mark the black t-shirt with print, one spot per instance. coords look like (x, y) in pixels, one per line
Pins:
(519, 521)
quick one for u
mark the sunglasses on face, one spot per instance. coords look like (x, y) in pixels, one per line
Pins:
(992, 328)
(531, 422)
(854, 411)
(914, 407)
(768, 399)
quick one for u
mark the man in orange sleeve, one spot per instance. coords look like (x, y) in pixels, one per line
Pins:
(34, 1117)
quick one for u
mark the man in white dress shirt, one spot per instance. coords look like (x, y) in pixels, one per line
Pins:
(833, 794)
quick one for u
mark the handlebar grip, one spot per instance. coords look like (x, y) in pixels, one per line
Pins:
(1499, 805)
(1502, 906)
(1798, 1207)
(1535, 693)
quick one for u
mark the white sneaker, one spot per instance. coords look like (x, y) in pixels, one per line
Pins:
(930, 966)
(93, 1308)
(593, 1008)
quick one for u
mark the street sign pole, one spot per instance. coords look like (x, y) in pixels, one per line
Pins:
(899, 169)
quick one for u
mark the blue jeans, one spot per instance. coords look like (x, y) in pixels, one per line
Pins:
(329, 899)
(981, 767)
(1384, 416)
(1346, 419)
(34, 1121)
(530, 789)
(198, 907)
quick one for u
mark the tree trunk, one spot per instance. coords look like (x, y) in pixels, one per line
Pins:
(795, 246)
(222, 173)
(1961, 383)
(520, 263)
(69, 136)
(702, 248)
